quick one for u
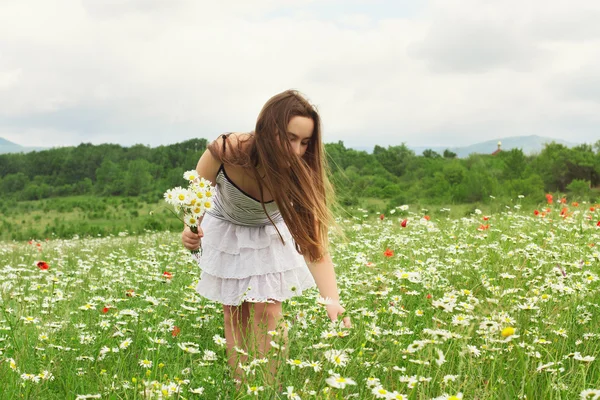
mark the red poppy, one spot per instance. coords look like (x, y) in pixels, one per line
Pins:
(575, 204)
(427, 217)
(43, 265)
(536, 212)
(598, 224)
(381, 217)
(31, 241)
(563, 212)
(486, 218)
(175, 331)
(130, 293)
(563, 200)
(403, 223)
(428, 295)
(549, 198)
(167, 275)
(483, 227)
(105, 310)
(388, 253)
(592, 209)
(548, 209)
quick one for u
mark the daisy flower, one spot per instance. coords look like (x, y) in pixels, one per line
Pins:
(339, 382)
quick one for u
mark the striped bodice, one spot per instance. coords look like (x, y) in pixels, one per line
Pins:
(236, 206)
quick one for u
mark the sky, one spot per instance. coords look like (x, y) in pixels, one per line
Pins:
(420, 72)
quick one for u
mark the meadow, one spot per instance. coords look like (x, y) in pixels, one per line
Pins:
(487, 305)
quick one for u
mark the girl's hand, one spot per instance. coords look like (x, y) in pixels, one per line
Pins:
(334, 310)
(191, 240)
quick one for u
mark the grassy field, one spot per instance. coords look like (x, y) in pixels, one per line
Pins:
(500, 305)
(65, 217)
(89, 216)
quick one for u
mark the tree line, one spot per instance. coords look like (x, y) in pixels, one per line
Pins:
(394, 173)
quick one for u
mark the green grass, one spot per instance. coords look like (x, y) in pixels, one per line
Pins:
(449, 288)
(83, 216)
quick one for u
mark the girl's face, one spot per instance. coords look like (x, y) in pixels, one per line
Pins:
(300, 132)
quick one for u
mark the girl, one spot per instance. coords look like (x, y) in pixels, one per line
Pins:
(266, 238)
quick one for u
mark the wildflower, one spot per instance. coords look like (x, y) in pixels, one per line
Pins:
(549, 198)
(536, 212)
(290, 394)
(380, 393)
(209, 355)
(404, 222)
(381, 217)
(295, 363)
(105, 310)
(219, 340)
(441, 359)
(473, 350)
(426, 217)
(255, 389)
(167, 275)
(337, 357)
(339, 382)
(190, 175)
(176, 330)
(449, 378)
(30, 320)
(125, 343)
(315, 365)
(11, 362)
(590, 394)
(372, 382)
(43, 265)
(146, 363)
(188, 348)
(390, 253)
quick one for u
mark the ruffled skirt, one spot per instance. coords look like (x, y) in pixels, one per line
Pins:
(249, 263)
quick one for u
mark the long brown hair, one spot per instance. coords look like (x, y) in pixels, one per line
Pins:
(299, 185)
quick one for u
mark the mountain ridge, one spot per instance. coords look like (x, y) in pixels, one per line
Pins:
(530, 144)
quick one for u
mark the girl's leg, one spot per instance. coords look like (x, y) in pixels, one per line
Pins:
(265, 317)
(235, 337)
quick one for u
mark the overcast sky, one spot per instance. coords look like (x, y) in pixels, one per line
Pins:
(426, 73)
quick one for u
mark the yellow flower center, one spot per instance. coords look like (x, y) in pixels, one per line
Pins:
(508, 331)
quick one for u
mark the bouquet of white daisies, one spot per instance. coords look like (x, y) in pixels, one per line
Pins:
(192, 202)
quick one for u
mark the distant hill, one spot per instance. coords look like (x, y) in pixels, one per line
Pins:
(10, 147)
(529, 144)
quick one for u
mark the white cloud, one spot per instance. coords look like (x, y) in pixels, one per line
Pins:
(159, 71)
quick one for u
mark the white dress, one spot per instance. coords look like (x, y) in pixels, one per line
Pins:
(243, 258)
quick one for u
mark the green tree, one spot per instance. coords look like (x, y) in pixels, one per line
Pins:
(138, 178)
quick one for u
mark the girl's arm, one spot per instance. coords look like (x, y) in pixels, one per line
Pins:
(324, 276)
(207, 168)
